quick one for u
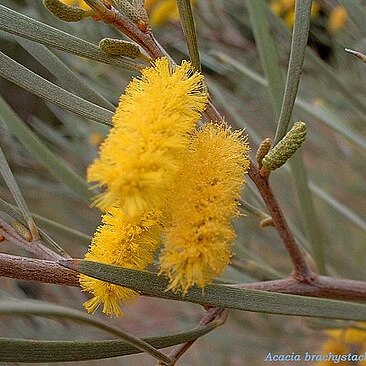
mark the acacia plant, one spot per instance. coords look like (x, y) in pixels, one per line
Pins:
(190, 213)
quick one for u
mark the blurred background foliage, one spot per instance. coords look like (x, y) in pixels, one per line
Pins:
(331, 101)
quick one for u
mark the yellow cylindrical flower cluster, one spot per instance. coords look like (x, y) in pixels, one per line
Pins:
(165, 182)
(120, 243)
(140, 158)
(204, 200)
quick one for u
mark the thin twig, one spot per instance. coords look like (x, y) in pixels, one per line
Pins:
(127, 27)
(217, 315)
(301, 270)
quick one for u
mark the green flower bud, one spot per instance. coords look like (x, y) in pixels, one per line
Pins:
(285, 148)
(127, 9)
(263, 150)
(67, 13)
(118, 47)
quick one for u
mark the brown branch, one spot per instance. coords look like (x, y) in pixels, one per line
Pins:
(320, 286)
(302, 273)
(37, 270)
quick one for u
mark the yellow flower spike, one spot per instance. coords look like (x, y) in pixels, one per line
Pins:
(203, 201)
(141, 156)
(66, 12)
(337, 19)
(123, 243)
(285, 148)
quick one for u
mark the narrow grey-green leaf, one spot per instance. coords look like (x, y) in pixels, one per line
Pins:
(42, 308)
(297, 55)
(320, 113)
(38, 149)
(339, 207)
(335, 80)
(267, 52)
(31, 350)
(17, 194)
(23, 26)
(221, 295)
(27, 79)
(189, 29)
(66, 77)
(316, 236)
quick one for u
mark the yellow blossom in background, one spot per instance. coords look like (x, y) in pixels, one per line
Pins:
(204, 200)
(343, 342)
(337, 19)
(285, 9)
(95, 138)
(162, 11)
(79, 3)
(141, 156)
(120, 243)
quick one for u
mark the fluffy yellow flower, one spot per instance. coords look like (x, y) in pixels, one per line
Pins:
(161, 11)
(337, 19)
(140, 158)
(79, 3)
(343, 342)
(203, 201)
(118, 242)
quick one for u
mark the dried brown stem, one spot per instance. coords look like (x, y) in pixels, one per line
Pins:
(320, 286)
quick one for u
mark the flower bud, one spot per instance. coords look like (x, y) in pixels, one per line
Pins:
(263, 150)
(118, 47)
(285, 148)
(67, 13)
